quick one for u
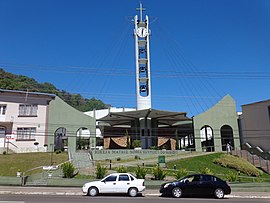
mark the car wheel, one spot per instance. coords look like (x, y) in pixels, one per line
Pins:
(133, 192)
(219, 193)
(92, 191)
(177, 192)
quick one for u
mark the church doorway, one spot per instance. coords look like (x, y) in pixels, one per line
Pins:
(60, 139)
(226, 133)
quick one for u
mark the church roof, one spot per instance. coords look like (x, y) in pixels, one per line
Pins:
(163, 117)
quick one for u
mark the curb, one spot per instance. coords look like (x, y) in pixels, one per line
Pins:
(144, 194)
(41, 193)
(248, 196)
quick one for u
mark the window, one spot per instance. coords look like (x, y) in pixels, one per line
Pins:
(196, 178)
(3, 109)
(131, 178)
(192, 178)
(111, 178)
(207, 178)
(123, 178)
(28, 110)
(2, 132)
(26, 133)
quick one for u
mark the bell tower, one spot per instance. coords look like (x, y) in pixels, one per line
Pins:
(142, 57)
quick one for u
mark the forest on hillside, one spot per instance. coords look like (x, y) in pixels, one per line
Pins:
(11, 81)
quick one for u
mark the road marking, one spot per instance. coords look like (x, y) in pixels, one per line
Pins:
(11, 202)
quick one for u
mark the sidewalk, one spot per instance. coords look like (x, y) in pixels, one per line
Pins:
(77, 191)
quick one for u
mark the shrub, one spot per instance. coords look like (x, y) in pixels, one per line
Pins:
(232, 176)
(154, 147)
(4, 152)
(238, 164)
(207, 171)
(136, 143)
(68, 170)
(121, 169)
(140, 172)
(159, 174)
(180, 173)
(137, 157)
(258, 180)
(58, 151)
(100, 171)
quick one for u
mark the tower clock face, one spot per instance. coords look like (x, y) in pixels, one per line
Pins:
(142, 32)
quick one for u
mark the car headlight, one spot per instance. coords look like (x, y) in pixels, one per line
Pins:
(167, 185)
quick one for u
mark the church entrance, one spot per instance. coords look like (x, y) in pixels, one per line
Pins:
(226, 133)
(60, 139)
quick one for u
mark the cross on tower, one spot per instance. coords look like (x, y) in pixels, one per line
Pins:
(141, 9)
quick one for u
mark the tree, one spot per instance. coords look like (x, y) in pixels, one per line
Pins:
(11, 81)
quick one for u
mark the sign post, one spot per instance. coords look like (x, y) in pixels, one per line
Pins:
(161, 161)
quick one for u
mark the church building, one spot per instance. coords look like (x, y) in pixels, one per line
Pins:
(147, 128)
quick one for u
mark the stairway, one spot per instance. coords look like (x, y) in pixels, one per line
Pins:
(36, 183)
(81, 159)
(254, 159)
(39, 179)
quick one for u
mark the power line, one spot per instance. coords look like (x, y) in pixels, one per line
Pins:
(117, 71)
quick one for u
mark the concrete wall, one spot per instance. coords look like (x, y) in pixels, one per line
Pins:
(255, 124)
(15, 181)
(130, 154)
(223, 113)
(60, 114)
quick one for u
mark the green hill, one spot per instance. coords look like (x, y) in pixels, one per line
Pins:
(11, 81)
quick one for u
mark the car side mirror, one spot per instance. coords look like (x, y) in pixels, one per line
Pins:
(186, 181)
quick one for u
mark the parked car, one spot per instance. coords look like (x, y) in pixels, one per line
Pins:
(115, 183)
(196, 185)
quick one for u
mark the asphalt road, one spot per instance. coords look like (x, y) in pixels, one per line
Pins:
(117, 199)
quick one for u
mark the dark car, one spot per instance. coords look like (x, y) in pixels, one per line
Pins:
(196, 185)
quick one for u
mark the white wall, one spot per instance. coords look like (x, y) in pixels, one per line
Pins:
(97, 114)
(38, 122)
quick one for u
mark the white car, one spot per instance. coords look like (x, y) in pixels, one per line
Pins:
(115, 183)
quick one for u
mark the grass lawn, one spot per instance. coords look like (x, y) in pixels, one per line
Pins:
(198, 163)
(10, 163)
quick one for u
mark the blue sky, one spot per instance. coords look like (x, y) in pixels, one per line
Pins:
(201, 50)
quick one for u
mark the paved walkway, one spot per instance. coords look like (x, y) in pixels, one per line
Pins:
(77, 191)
